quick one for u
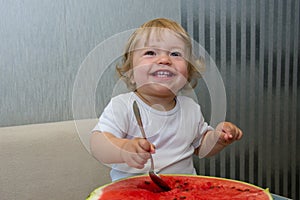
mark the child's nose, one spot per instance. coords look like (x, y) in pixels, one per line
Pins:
(164, 59)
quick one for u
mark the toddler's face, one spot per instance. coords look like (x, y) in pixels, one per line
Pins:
(159, 65)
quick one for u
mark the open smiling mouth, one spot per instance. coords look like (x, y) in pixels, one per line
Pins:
(163, 74)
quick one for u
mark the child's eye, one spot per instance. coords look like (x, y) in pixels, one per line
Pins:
(150, 53)
(176, 54)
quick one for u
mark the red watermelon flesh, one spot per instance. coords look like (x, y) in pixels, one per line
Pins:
(183, 187)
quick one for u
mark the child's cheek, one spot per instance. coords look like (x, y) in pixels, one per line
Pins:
(140, 74)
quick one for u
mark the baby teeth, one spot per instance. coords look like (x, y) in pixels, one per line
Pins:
(163, 74)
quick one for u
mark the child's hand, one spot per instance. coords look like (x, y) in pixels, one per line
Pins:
(136, 152)
(229, 133)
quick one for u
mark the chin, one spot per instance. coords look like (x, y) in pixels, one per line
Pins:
(163, 92)
(161, 89)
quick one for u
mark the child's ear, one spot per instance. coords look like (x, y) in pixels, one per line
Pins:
(132, 81)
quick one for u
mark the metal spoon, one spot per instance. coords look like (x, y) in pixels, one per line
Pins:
(154, 177)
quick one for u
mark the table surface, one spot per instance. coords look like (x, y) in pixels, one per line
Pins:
(277, 197)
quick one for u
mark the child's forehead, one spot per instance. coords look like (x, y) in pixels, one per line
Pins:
(153, 37)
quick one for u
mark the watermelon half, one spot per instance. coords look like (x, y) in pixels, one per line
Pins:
(188, 187)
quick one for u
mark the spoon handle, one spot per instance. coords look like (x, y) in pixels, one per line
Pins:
(137, 114)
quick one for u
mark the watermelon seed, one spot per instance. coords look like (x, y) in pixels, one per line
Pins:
(147, 182)
(182, 197)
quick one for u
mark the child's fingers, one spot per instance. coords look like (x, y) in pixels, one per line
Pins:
(134, 159)
(227, 135)
(227, 138)
(232, 131)
(133, 153)
(237, 133)
(146, 146)
(142, 153)
(138, 160)
(141, 159)
(136, 163)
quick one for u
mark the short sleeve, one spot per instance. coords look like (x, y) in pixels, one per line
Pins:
(114, 119)
(203, 127)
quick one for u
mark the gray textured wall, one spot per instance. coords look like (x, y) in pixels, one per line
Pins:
(255, 44)
(43, 43)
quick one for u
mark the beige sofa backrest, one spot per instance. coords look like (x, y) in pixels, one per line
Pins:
(47, 161)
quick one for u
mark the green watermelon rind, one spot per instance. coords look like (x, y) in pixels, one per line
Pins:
(97, 192)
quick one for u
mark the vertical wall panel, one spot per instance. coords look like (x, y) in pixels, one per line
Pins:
(269, 94)
(295, 110)
(287, 45)
(261, 24)
(233, 77)
(222, 53)
(252, 86)
(256, 47)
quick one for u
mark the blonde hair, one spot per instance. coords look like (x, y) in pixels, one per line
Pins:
(124, 70)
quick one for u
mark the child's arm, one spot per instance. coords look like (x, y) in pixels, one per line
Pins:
(216, 140)
(109, 149)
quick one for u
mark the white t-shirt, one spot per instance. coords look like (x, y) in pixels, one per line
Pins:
(175, 133)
